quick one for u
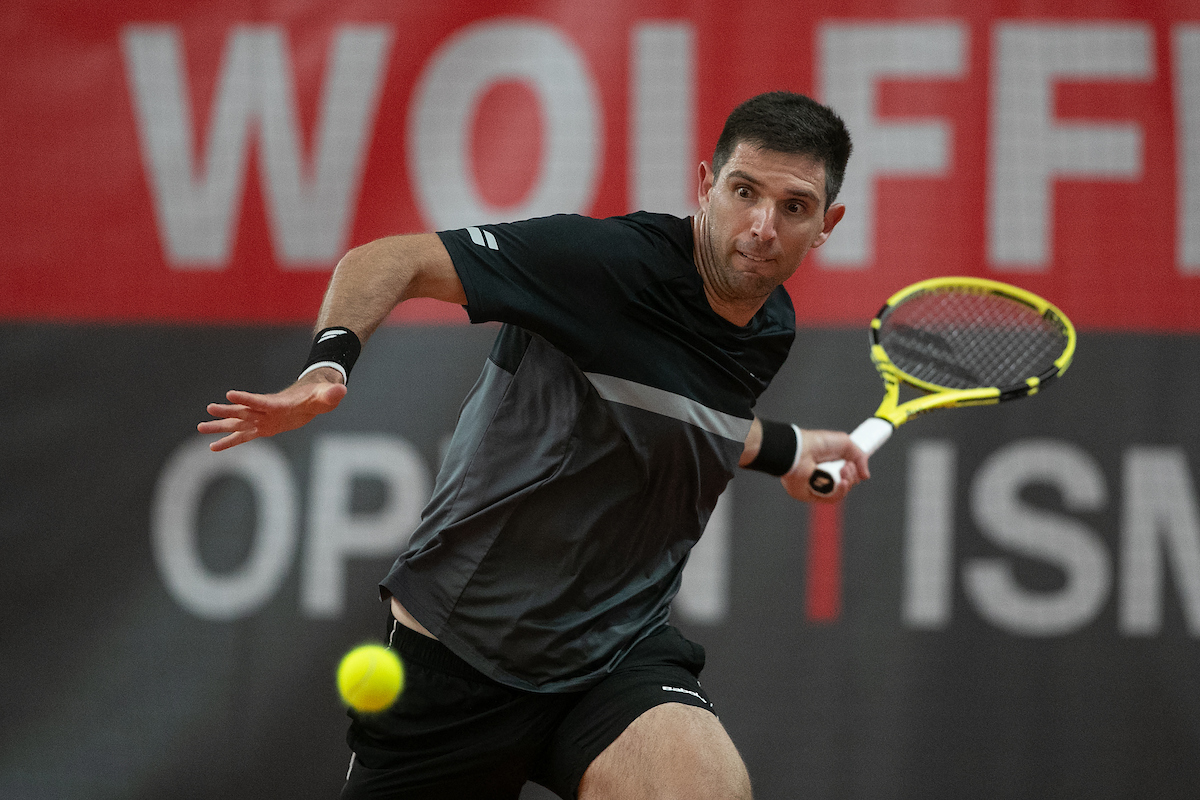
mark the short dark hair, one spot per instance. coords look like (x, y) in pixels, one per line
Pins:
(788, 123)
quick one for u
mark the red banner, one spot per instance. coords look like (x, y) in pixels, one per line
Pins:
(209, 162)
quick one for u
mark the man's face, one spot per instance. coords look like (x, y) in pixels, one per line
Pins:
(763, 213)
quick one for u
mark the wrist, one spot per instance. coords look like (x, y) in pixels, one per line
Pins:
(779, 448)
(333, 350)
(799, 449)
(322, 372)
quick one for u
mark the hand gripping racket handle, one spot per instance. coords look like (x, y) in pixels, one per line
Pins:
(869, 436)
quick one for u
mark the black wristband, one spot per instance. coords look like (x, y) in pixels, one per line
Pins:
(337, 348)
(778, 449)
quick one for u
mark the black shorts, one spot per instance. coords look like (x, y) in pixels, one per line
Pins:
(455, 733)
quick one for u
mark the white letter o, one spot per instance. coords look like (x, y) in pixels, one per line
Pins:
(459, 74)
(173, 533)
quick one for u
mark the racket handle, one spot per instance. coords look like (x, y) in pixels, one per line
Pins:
(869, 436)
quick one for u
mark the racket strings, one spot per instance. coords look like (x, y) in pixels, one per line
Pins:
(966, 340)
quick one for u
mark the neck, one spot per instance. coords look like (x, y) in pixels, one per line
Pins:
(720, 299)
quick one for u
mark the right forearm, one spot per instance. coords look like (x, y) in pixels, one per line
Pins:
(366, 285)
(372, 279)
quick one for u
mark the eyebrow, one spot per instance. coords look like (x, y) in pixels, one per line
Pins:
(748, 178)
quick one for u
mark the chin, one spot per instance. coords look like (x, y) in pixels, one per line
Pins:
(755, 287)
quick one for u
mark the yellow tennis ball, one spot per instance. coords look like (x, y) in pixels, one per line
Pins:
(370, 677)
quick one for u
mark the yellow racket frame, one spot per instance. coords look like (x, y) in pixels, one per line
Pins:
(939, 396)
(872, 433)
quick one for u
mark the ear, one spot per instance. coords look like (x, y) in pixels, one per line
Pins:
(704, 184)
(832, 217)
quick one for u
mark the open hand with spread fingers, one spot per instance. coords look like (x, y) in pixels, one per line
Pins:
(249, 416)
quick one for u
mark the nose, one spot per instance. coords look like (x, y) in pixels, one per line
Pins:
(762, 224)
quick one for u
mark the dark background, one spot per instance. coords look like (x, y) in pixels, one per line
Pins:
(114, 689)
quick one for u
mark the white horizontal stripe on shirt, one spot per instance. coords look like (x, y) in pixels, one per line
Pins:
(669, 404)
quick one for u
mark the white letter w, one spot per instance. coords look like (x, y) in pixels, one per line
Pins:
(309, 209)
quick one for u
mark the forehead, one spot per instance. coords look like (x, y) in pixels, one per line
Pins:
(785, 173)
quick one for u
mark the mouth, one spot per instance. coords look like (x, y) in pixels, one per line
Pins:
(754, 258)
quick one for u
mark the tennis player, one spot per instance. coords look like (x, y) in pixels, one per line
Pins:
(531, 607)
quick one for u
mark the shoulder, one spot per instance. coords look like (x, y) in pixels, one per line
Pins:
(575, 229)
(639, 229)
(665, 231)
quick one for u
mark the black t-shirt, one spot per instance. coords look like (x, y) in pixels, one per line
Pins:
(589, 455)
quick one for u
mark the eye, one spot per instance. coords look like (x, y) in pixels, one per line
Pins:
(795, 207)
(742, 191)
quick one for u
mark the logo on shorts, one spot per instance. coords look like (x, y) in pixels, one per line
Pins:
(681, 690)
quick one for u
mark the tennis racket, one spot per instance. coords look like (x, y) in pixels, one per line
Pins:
(963, 342)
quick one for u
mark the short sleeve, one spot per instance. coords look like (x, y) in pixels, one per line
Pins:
(561, 277)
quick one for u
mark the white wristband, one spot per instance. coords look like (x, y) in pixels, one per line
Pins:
(330, 364)
(799, 447)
